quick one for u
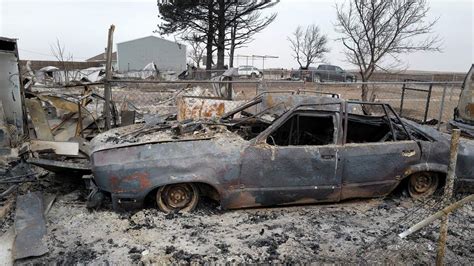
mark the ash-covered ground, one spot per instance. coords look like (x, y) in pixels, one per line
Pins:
(360, 231)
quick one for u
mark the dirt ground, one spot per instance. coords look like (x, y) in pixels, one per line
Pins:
(359, 231)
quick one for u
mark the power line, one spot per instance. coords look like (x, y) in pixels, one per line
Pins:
(48, 55)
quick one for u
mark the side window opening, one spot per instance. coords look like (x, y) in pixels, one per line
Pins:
(368, 129)
(302, 130)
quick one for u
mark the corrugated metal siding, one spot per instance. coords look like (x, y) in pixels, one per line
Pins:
(136, 54)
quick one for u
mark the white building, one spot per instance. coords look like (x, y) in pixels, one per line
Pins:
(136, 54)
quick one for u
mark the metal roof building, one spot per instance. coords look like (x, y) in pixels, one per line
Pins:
(136, 54)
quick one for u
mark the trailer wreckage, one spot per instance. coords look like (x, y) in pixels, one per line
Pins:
(274, 150)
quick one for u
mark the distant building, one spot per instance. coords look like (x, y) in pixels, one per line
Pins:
(136, 54)
(100, 59)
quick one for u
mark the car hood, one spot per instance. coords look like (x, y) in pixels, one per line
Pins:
(139, 134)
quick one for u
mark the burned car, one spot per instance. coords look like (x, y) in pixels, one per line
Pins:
(274, 150)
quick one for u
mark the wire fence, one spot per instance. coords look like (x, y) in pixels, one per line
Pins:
(420, 247)
(430, 102)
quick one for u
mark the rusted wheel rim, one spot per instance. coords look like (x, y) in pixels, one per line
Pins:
(183, 197)
(177, 196)
(423, 184)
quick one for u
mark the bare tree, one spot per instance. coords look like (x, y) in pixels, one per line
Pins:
(308, 45)
(376, 32)
(59, 51)
(197, 45)
(244, 27)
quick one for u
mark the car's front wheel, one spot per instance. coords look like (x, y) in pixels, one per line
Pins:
(421, 185)
(177, 197)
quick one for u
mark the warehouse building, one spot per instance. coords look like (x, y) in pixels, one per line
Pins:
(136, 54)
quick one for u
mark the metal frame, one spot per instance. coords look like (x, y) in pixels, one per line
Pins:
(428, 97)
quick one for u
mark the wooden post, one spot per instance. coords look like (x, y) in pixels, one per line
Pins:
(448, 192)
(108, 77)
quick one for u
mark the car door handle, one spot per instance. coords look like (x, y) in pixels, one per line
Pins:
(408, 153)
(327, 156)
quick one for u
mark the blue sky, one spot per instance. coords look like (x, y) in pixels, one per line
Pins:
(82, 25)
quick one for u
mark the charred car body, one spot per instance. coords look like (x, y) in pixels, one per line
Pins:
(275, 150)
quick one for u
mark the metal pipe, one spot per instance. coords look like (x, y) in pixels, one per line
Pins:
(402, 99)
(394, 136)
(428, 98)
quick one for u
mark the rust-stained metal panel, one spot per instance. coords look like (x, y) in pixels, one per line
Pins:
(30, 226)
(200, 108)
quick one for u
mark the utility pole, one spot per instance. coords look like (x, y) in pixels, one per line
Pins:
(108, 78)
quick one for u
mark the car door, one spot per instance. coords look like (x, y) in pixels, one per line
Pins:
(340, 75)
(290, 173)
(373, 166)
(332, 73)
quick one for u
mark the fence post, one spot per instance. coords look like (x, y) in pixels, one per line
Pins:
(108, 77)
(448, 192)
(441, 108)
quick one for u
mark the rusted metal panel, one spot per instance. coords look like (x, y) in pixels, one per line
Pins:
(196, 108)
(30, 226)
(39, 120)
(62, 166)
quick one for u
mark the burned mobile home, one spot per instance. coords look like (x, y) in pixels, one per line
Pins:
(274, 150)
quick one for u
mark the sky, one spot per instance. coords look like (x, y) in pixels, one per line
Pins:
(81, 26)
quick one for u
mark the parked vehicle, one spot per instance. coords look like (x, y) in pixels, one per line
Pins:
(302, 149)
(250, 72)
(323, 73)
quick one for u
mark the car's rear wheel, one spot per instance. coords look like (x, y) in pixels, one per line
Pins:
(253, 75)
(177, 197)
(350, 80)
(421, 185)
(317, 79)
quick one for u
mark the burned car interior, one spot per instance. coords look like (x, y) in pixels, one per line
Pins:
(317, 126)
(304, 129)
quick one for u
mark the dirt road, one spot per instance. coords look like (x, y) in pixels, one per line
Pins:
(362, 231)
